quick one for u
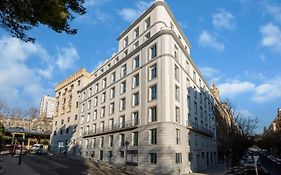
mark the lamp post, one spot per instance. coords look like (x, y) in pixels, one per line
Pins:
(256, 168)
(21, 145)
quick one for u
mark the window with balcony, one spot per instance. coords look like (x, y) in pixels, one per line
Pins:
(136, 44)
(136, 62)
(147, 23)
(147, 36)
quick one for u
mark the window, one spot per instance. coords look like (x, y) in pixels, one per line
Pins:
(111, 124)
(93, 142)
(135, 138)
(124, 70)
(61, 132)
(176, 72)
(95, 114)
(96, 101)
(153, 51)
(136, 80)
(147, 36)
(88, 117)
(190, 156)
(62, 121)
(136, 99)
(153, 136)
(196, 108)
(122, 139)
(177, 114)
(125, 53)
(187, 67)
(122, 121)
(113, 77)
(104, 83)
(137, 32)
(122, 154)
(177, 136)
(176, 53)
(147, 23)
(97, 88)
(79, 82)
(135, 118)
(90, 92)
(126, 42)
(153, 72)
(123, 87)
(89, 104)
(122, 104)
(177, 93)
(87, 143)
(87, 129)
(67, 130)
(102, 113)
(194, 76)
(56, 123)
(82, 119)
(101, 141)
(136, 62)
(178, 158)
(136, 44)
(68, 119)
(153, 92)
(94, 129)
(82, 107)
(102, 126)
(103, 97)
(111, 108)
(153, 114)
(112, 93)
(110, 140)
(153, 158)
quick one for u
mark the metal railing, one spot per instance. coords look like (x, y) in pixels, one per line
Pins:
(114, 128)
(200, 128)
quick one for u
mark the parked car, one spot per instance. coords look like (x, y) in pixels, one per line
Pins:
(35, 147)
(41, 151)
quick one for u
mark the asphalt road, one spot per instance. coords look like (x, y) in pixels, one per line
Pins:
(270, 166)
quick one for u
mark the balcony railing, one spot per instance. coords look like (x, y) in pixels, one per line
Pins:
(128, 125)
(200, 128)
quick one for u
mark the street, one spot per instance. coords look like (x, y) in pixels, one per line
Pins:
(270, 166)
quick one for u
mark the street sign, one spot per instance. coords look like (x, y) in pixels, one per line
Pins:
(61, 145)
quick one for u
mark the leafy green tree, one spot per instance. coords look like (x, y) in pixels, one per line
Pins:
(19, 16)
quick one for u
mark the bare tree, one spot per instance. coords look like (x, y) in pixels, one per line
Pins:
(3, 108)
(32, 112)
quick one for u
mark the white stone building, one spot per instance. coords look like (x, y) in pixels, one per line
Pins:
(47, 106)
(149, 106)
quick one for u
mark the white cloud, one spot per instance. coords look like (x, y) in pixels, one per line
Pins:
(209, 71)
(66, 57)
(208, 40)
(236, 87)
(275, 11)
(131, 14)
(94, 3)
(269, 90)
(271, 37)
(20, 83)
(223, 19)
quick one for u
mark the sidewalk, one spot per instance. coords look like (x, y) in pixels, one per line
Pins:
(218, 170)
(10, 166)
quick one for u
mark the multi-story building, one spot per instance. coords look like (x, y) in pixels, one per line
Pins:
(149, 105)
(47, 106)
(275, 125)
(64, 135)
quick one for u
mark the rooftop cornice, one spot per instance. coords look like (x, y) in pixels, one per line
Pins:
(80, 73)
(154, 5)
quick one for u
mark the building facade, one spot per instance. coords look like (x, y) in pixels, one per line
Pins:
(66, 113)
(149, 105)
(47, 106)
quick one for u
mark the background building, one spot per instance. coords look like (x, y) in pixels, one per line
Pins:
(149, 105)
(66, 113)
(47, 106)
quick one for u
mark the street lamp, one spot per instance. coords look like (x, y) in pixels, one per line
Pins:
(256, 168)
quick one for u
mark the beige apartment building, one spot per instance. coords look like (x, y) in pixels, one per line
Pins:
(149, 106)
(47, 106)
(64, 135)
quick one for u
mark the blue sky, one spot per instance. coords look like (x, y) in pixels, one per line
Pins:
(235, 43)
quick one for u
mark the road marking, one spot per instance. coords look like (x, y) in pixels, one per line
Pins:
(52, 162)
